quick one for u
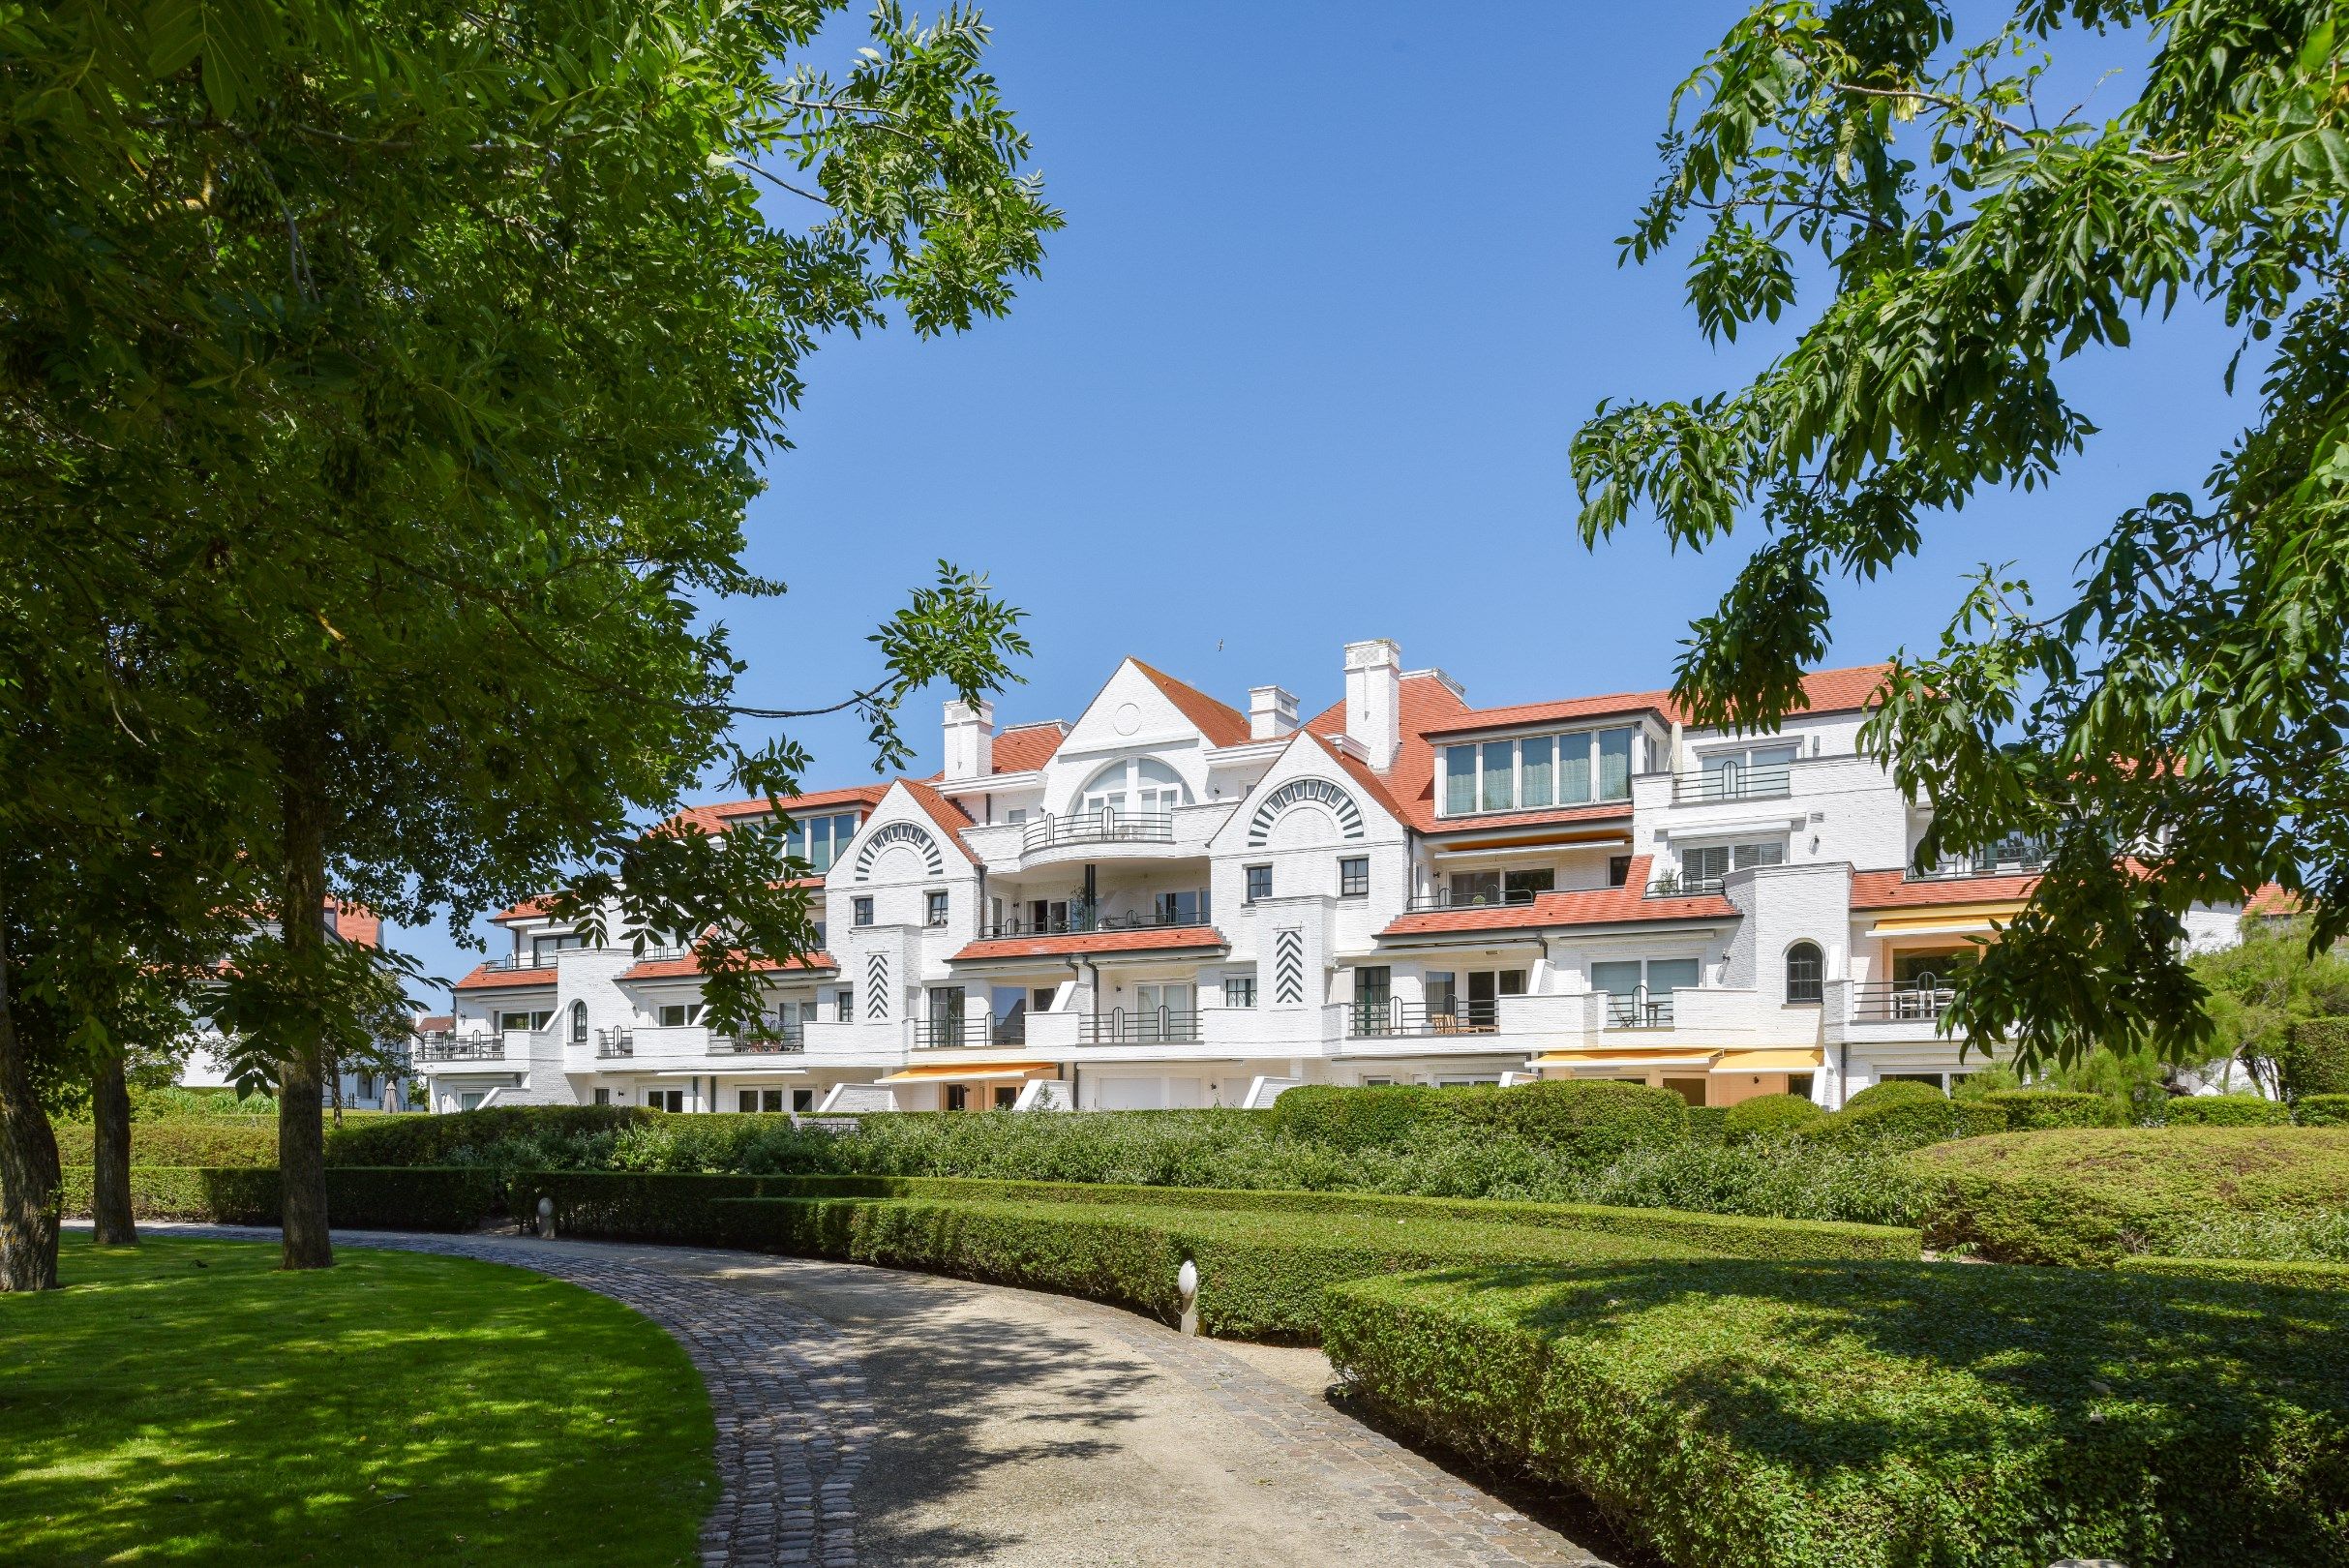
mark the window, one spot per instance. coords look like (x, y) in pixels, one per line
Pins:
(820, 841)
(768, 1100)
(678, 1014)
(578, 1023)
(1137, 787)
(1618, 871)
(1799, 1083)
(934, 908)
(1354, 876)
(471, 1099)
(803, 1099)
(1745, 772)
(367, 1086)
(1701, 868)
(1007, 1097)
(1238, 990)
(525, 1020)
(1806, 973)
(603, 1097)
(860, 910)
(1642, 990)
(1016, 815)
(1259, 883)
(1476, 888)
(1573, 768)
(958, 1097)
(545, 947)
(1185, 908)
(844, 1005)
(1442, 993)
(665, 1100)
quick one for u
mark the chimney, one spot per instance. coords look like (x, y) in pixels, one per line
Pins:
(1272, 713)
(969, 740)
(1373, 700)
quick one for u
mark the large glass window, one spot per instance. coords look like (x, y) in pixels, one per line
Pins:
(1702, 868)
(820, 841)
(1573, 768)
(1137, 787)
(1185, 908)
(1745, 772)
(1806, 973)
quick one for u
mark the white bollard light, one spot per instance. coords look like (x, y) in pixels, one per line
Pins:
(1186, 1281)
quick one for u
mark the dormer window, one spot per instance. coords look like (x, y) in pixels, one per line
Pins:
(1535, 771)
(820, 840)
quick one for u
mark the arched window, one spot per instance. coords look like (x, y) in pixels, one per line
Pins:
(1137, 787)
(1806, 973)
(578, 1023)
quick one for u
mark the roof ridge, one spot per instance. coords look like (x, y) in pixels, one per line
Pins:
(1182, 693)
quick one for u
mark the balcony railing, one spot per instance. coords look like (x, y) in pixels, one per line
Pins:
(946, 1033)
(462, 1048)
(611, 1042)
(524, 960)
(1913, 1001)
(1119, 1024)
(1083, 921)
(789, 1039)
(1379, 1020)
(2009, 860)
(1733, 781)
(1639, 1010)
(1108, 826)
(1456, 898)
(1672, 885)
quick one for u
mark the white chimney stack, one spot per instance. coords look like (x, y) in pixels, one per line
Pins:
(1272, 713)
(969, 739)
(1373, 700)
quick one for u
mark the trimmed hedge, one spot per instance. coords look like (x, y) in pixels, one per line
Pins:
(2322, 1110)
(1895, 1090)
(2091, 1195)
(1706, 1124)
(1588, 1121)
(182, 1140)
(2031, 1110)
(1770, 1116)
(431, 1140)
(1261, 1272)
(1905, 1115)
(2244, 1271)
(357, 1197)
(2314, 1058)
(1744, 1415)
(628, 1206)
(2225, 1110)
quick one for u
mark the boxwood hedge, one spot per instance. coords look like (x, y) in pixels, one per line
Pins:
(431, 1140)
(1586, 1122)
(676, 1208)
(2314, 1058)
(357, 1197)
(1748, 1414)
(183, 1141)
(2322, 1110)
(2245, 1271)
(2029, 1110)
(1770, 1116)
(1908, 1115)
(2225, 1110)
(2090, 1195)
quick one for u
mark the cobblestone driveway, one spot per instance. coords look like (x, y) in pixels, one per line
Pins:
(870, 1416)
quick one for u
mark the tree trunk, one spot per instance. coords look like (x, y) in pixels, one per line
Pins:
(301, 1055)
(29, 1178)
(111, 1155)
(334, 1086)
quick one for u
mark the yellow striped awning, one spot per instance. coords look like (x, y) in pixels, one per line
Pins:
(1692, 1057)
(1781, 1061)
(968, 1071)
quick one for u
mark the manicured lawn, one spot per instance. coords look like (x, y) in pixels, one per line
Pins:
(187, 1403)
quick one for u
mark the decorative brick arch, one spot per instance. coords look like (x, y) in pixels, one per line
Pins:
(1299, 791)
(899, 833)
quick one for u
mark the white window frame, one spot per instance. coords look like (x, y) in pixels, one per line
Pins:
(1561, 740)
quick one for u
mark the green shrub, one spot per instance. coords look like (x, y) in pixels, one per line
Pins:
(2313, 1058)
(2277, 1275)
(357, 1197)
(1586, 1122)
(1705, 1124)
(1895, 1092)
(2225, 1110)
(2322, 1110)
(636, 1207)
(2030, 1110)
(2090, 1195)
(209, 1141)
(168, 1101)
(1745, 1414)
(1905, 1115)
(1770, 1116)
(446, 1140)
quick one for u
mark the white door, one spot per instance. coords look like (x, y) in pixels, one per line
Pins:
(1131, 1094)
(1165, 1012)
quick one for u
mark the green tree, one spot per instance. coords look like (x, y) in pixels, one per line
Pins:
(2264, 984)
(404, 367)
(2172, 728)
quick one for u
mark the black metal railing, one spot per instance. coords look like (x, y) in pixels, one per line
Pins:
(1122, 1024)
(946, 1033)
(1378, 1020)
(1081, 921)
(524, 960)
(1639, 1010)
(2002, 861)
(789, 1039)
(611, 1042)
(1106, 825)
(1456, 898)
(1672, 885)
(463, 1048)
(1913, 1001)
(1733, 781)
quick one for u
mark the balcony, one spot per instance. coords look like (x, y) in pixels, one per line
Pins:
(1120, 1026)
(1673, 885)
(524, 961)
(1453, 898)
(615, 1042)
(1388, 1018)
(1085, 919)
(1922, 999)
(1639, 1010)
(2014, 857)
(789, 1039)
(446, 1047)
(1104, 827)
(1733, 781)
(952, 1033)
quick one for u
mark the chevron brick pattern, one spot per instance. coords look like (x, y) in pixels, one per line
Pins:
(876, 986)
(1289, 965)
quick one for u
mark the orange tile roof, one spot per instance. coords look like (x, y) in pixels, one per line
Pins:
(2271, 899)
(1222, 724)
(691, 964)
(1427, 704)
(1895, 890)
(435, 1023)
(1829, 691)
(358, 924)
(484, 978)
(1360, 772)
(1603, 811)
(1626, 905)
(527, 909)
(1025, 748)
(941, 811)
(721, 815)
(1045, 946)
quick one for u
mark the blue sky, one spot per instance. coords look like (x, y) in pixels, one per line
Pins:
(1338, 284)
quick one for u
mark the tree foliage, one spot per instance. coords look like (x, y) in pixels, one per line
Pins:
(2171, 728)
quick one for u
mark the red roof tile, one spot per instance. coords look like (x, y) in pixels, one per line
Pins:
(1626, 905)
(1429, 702)
(1894, 889)
(941, 811)
(1222, 724)
(2271, 899)
(691, 964)
(1829, 691)
(1603, 811)
(484, 978)
(435, 1023)
(358, 925)
(1025, 748)
(529, 908)
(721, 815)
(1044, 946)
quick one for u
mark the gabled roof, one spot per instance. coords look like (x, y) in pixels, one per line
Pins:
(1222, 724)
(1360, 772)
(1896, 889)
(1428, 701)
(691, 964)
(1044, 946)
(947, 815)
(716, 818)
(1627, 905)
(1025, 748)
(484, 978)
(1828, 691)
(434, 1023)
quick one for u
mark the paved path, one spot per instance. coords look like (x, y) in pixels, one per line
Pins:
(869, 1416)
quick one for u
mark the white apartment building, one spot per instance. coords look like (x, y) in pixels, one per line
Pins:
(1172, 902)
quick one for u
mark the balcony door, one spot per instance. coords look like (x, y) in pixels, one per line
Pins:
(1164, 1010)
(1485, 988)
(946, 1014)
(1137, 788)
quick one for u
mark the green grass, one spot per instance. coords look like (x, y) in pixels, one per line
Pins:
(186, 1401)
